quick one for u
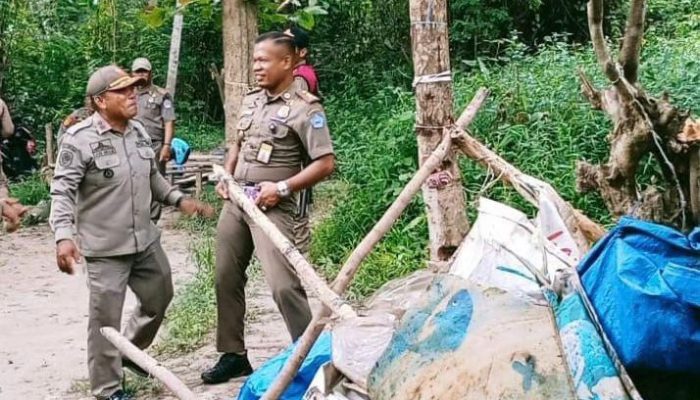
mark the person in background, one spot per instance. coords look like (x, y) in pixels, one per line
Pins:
(304, 73)
(156, 111)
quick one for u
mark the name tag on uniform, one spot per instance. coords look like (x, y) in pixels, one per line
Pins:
(265, 153)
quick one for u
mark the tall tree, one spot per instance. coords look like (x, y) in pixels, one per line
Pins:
(444, 196)
(240, 27)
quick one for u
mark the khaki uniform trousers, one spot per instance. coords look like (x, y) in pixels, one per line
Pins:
(237, 237)
(148, 275)
(156, 206)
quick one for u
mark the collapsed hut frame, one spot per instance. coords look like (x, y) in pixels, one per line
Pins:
(454, 137)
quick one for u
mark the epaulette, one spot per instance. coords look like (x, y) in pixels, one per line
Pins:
(86, 123)
(253, 90)
(161, 91)
(140, 128)
(307, 96)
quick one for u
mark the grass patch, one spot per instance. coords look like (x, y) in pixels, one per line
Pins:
(30, 190)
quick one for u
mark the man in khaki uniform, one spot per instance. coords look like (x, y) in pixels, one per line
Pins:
(279, 125)
(101, 192)
(157, 113)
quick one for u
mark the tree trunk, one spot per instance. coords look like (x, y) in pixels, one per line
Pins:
(240, 27)
(174, 60)
(444, 200)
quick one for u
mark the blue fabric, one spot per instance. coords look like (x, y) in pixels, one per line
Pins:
(644, 282)
(256, 385)
(180, 151)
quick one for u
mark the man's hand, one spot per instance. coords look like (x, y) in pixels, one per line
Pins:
(268, 196)
(222, 190)
(67, 255)
(190, 206)
(12, 211)
(165, 153)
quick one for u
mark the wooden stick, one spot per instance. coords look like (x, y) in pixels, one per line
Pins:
(174, 58)
(303, 268)
(198, 184)
(581, 227)
(352, 264)
(49, 146)
(148, 363)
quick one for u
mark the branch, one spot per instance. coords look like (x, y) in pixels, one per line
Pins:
(305, 270)
(592, 94)
(634, 32)
(149, 364)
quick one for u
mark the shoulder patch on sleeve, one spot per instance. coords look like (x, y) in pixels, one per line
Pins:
(317, 119)
(307, 96)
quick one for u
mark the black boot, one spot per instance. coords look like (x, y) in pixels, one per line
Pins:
(119, 395)
(229, 366)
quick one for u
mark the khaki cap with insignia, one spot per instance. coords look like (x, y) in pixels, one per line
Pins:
(141, 63)
(110, 78)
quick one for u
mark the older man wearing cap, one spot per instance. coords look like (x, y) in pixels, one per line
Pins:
(156, 112)
(104, 182)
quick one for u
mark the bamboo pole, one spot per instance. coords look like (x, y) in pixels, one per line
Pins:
(584, 230)
(352, 264)
(306, 272)
(148, 363)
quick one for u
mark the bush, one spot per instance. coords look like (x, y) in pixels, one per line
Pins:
(535, 118)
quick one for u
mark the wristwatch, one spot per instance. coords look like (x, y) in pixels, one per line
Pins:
(283, 189)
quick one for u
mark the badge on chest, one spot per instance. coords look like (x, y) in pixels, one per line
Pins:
(265, 152)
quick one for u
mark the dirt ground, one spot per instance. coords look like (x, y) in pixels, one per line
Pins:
(43, 322)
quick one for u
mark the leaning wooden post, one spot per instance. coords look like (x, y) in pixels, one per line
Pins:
(49, 146)
(445, 205)
(148, 363)
(175, 41)
(305, 271)
(352, 264)
(581, 227)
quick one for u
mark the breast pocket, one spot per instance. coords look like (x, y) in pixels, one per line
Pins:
(106, 172)
(147, 157)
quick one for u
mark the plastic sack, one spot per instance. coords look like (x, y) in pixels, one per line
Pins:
(256, 385)
(644, 282)
(359, 342)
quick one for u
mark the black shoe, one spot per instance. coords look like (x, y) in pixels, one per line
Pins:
(230, 366)
(133, 367)
(120, 395)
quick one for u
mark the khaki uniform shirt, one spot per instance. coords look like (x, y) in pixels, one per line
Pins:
(7, 128)
(103, 184)
(155, 109)
(276, 134)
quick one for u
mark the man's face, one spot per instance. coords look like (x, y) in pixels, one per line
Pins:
(119, 104)
(142, 73)
(272, 64)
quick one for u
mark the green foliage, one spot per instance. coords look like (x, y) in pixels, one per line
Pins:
(535, 118)
(31, 190)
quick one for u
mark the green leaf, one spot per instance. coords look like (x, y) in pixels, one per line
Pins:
(154, 17)
(315, 10)
(305, 20)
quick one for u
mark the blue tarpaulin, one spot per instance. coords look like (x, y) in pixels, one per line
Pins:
(256, 385)
(643, 279)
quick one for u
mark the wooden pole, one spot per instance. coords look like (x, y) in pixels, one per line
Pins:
(240, 27)
(174, 59)
(49, 146)
(445, 205)
(581, 227)
(305, 271)
(148, 363)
